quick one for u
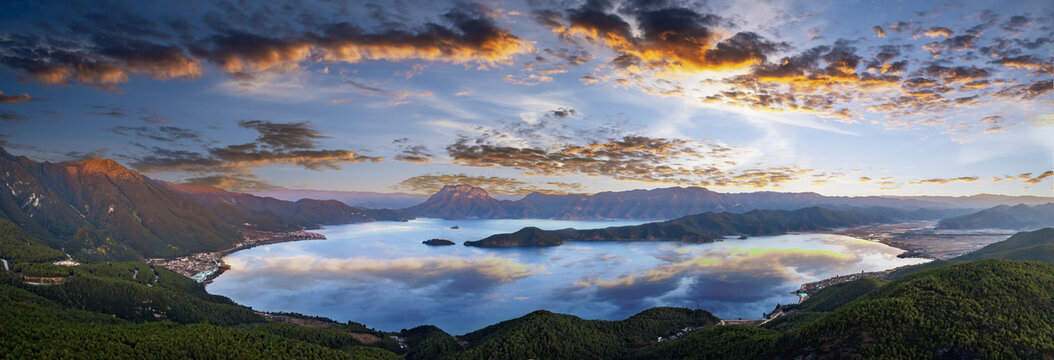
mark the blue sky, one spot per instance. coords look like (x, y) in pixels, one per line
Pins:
(840, 98)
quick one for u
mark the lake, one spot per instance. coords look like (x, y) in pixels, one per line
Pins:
(381, 275)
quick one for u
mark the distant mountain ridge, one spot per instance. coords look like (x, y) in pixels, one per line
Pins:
(270, 214)
(706, 227)
(361, 199)
(464, 201)
(1019, 217)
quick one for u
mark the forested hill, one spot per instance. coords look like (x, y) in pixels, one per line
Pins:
(705, 227)
(1019, 217)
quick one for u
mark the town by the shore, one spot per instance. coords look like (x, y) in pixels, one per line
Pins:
(206, 266)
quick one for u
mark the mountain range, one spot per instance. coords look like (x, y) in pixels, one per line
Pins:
(1019, 217)
(468, 202)
(98, 209)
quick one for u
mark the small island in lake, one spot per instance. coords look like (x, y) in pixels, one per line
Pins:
(438, 242)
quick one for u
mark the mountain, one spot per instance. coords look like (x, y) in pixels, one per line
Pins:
(987, 309)
(361, 199)
(979, 200)
(1034, 245)
(464, 201)
(1020, 217)
(545, 335)
(100, 209)
(705, 227)
(270, 214)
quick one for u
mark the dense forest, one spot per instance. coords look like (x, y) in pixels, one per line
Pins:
(980, 305)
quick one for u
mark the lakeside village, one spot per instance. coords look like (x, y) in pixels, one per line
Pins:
(203, 267)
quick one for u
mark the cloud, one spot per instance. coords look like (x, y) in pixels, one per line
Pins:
(446, 275)
(431, 183)
(14, 99)
(111, 111)
(468, 37)
(879, 32)
(938, 31)
(8, 115)
(158, 133)
(629, 158)
(665, 39)
(562, 113)
(277, 143)
(1039, 178)
(232, 182)
(1029, 62)
(412, 153)
(1026, 91)
(111, 48)
(94, 154)
(945, 181)
(104, 64)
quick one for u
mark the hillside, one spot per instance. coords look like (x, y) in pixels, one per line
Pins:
(705, 227)
(103, 311)
(986, 309)
(1035, 245)
(270, 214)
(1020, 217)
(98, 209)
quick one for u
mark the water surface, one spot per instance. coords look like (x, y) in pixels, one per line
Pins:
(381, 275)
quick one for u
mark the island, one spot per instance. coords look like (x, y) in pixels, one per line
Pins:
(700, 228)
(437, 242)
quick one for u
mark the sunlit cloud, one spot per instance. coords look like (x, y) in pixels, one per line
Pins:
(431, 183)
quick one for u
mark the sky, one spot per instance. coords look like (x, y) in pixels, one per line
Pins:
(834, 97)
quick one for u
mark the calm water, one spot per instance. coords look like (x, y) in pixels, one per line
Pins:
(381, 275)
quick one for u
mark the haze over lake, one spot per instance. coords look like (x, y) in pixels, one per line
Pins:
(381, 275)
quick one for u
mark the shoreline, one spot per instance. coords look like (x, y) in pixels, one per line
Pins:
(211, 263)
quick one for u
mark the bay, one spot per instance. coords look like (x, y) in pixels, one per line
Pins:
(381, 275)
